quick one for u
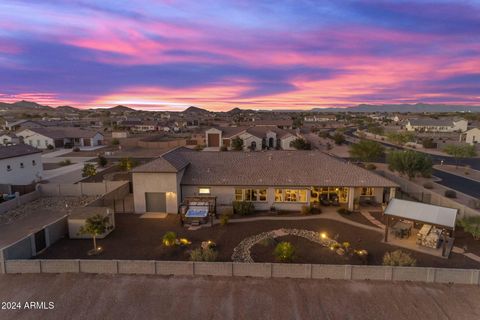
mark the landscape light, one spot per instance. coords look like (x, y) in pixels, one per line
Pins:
(323, 235)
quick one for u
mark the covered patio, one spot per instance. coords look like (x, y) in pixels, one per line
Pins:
(426, 227)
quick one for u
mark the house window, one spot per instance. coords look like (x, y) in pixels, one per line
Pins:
(367, 192)
(21, 165)
(34, 163)
(9, 168)
(204, 190)
(255, 195)
(290, 195)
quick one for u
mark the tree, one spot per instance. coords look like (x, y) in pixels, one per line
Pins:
(237, 144)
(300, 144)
(410, 163)
(127, 164)
(338, 138)
(375, 128)
(297, 122)
(284, 251)
(400, 138)
(460, 151)
(102, 161)
(89, 170)
(95, 226)
(367, 150)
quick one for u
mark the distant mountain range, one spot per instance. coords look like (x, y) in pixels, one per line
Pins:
(28, 106)
(403, 108)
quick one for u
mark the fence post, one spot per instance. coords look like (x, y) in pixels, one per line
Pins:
(388, 273)
(431, 274)
(348, 272)
(474, 279)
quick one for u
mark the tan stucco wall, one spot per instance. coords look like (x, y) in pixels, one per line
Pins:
(156, 182)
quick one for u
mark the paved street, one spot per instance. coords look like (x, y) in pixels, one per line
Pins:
(467, 186)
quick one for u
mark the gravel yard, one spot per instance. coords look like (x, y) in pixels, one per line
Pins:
(88, 296)
(137, 238)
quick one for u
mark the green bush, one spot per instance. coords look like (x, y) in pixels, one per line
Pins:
(306, 210)
(169, 239)
(450, 194)
(428, 185)
(370, 166)
(224, 219)
(115, 142)
(89, 170)
(102, 161)
(50, 147)
(471, 225)
(398, 258)
(243, 208)
(65, 162)
(206, 254)
(284, 252)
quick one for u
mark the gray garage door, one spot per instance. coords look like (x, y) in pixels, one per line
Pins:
(156, 201)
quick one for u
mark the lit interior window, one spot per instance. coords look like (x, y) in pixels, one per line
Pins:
(203, 190)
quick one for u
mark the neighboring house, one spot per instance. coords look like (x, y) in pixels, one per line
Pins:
(280, 123)
(146, 126)
(471, 136)
(61, 137)
(20, 164)
(254, 138)
(320, 118)
(282, 179)
(437, 125)
(9, 138)
(120, 134)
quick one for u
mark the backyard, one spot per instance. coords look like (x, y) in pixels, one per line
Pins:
(141, 239)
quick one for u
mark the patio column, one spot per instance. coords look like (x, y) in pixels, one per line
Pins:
(351, 197)
(392, 193)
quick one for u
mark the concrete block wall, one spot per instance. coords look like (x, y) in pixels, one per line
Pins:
(229, 269)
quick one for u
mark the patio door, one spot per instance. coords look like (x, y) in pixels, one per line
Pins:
(156, 201)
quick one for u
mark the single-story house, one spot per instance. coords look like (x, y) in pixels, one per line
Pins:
(471, 136)
(286, 180)
(320, 118)
(254, 138)
(8, 138)
(437, 125)
(59, 137)
(20, 164)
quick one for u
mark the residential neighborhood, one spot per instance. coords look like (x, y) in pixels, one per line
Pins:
(239, 160)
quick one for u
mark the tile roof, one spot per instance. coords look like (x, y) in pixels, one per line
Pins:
(431, 122)
(17, 150)
(64, 132)
(269, 168)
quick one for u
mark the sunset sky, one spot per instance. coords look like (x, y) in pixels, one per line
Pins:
(249, 54)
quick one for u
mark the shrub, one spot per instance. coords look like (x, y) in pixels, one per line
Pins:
(243, 207)
(306, 210)
(76, 149)
(199, 147)
(127, 164)
(343, 211)
(89, 170)
(450, 194)
(50, 147)
(115, 142)
(102, 161)
(206, 254)
(398, 258)
(224, 219)
(169, 239)
(471, 225)
(65, 162)
(371, 166)
(428, 185)
(284, 252)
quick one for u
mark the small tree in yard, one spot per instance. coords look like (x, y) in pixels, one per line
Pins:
(410, 163)
(338, 138)
(284, 252)
(95, 226)
(367, 150)
(300, 144)
(102, 161)
(169, 239)
(460, 151)
(89, 170)
(398, 258)
(237, 144)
